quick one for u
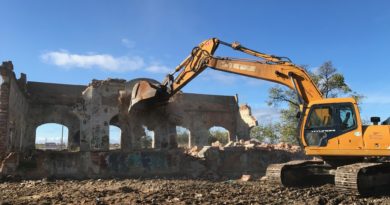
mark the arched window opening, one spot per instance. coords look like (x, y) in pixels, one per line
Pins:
(219, 134)
(114, 137)
(114, 134)
(147, 140)
(265, 133)
(51, 136)
(183, 136)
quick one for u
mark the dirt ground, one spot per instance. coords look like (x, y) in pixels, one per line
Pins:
(171, 191)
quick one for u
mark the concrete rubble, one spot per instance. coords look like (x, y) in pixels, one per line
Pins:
(253, 144)
(246, 177)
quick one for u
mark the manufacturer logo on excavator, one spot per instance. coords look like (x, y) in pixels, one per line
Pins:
(320, 131)
(239, 66)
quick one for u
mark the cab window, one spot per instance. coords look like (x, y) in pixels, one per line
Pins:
(328, 121)
(320, 117)
(347, 117)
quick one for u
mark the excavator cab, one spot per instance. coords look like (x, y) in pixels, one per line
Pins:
(326, 121)
(331, 126)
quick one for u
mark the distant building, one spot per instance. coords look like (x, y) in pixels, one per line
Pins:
(51, 146)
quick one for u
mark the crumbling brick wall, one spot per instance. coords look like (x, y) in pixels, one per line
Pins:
(88, 111)
(5, 71)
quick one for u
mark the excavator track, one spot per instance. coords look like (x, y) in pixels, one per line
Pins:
(299, 173)
(274, 171)
(363, 178)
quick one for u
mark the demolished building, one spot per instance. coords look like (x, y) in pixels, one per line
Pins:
(87, 112)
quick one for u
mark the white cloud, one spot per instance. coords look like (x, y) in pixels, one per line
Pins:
(157, 68)
(266, 115)
(128, 43)
(103, 61)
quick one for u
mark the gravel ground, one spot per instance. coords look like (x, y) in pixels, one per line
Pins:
(171, 191)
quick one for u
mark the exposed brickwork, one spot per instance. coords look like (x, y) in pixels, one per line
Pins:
(4, 106)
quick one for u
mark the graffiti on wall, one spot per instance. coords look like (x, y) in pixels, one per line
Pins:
(140, 162)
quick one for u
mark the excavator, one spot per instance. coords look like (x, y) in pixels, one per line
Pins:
(347, 153)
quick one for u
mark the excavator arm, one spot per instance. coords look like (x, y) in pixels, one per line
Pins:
(269, 67)
(285, 74)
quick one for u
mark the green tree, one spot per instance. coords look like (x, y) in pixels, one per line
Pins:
(330, 82)
(182, 139)
(218, 135)
(265, 133)
(146, 142)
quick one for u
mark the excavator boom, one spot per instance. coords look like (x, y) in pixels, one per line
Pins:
(267, 67)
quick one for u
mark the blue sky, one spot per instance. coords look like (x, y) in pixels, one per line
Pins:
(74, 42)
(53, 132)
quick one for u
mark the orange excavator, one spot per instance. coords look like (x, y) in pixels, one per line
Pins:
(352, 155)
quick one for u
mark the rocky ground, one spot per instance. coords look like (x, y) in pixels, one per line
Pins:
(171, 191)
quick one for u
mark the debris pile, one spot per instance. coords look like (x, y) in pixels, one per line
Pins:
(172, 191)
(97, 83)
(247, 145)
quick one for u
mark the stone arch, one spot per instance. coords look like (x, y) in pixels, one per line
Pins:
(220, 134)
(115, 133)
(148, 140)
(51, 136)
(183, 136)
(220, 121)
(43, 114)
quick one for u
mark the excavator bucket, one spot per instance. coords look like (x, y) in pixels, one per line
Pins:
(145, 93)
